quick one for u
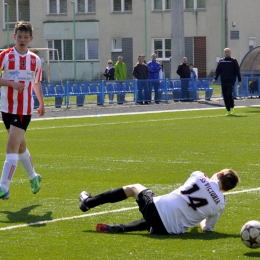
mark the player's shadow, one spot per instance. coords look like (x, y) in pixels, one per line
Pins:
(210, 104)
(23, 216)
(192, 233)
(254, 110)
(252, 254)
(196, 233)
(234, 116)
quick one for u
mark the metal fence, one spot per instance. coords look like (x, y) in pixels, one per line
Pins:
(66, 94)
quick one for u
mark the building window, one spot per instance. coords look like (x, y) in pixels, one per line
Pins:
(252, 42)
(161, 5)
(67, 50)
(80, 49)
(116, 45)
(234, 35)
(162, 48)
(86, 6)
(85, 49)
(121, 5)
(92, 49)
(18, 10)
(57, 6)
(195, 4)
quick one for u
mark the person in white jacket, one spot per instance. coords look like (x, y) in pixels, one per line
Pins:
(200, 200)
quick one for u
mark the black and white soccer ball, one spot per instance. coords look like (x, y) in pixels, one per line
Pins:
(250, 234)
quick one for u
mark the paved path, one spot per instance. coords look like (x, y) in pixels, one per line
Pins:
(132, 108)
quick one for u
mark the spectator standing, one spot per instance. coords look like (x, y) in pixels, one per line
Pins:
(161, 77)
(121, 75)
(21, 74)
(193, 75)
(229, 70)
(141, 73)
(200, 200)
(154, 68)
(184, 72)
(143, 56)
(110, 75)
(161, 72)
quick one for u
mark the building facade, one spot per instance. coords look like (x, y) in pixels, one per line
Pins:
(85, 34)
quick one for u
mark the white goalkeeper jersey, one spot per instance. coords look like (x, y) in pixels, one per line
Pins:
(198, 199)
(25, 69)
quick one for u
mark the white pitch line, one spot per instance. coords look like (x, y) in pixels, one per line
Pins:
(138, 113)
(241, 191)
(114, 123)
(63, 219)
(126, 122)
(124, 114)
(98, 213)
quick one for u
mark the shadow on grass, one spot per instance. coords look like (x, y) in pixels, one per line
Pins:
(211, 104)
(253, 110)
(234, 116)
(252, 254)
(193, 233)
(24, 216)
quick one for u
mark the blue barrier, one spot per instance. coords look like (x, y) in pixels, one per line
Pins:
(131, 91)
(166, 89)
(250, 88)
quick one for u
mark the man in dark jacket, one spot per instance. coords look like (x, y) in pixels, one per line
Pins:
(228, 69)
(184, 72)
(141, 73)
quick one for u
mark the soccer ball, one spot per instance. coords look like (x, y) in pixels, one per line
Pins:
(250, 234)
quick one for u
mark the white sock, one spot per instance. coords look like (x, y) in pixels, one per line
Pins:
(26, 161)
(8, 170)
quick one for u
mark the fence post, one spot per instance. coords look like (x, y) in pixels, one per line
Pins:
(135, 91)
(67, 94)
(102, 92)
(246, 86)
(165, 86)
(195, 86)
(258, 84)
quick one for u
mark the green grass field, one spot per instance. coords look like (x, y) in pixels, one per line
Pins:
(159, 150)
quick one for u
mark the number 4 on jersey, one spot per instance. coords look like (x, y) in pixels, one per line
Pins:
(194, 201)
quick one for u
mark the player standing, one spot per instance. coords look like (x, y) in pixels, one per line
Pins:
(21, 73)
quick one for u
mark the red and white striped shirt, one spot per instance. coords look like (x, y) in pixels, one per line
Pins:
(25, 69)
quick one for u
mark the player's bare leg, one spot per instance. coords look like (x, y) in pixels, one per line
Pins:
(26, 161)
(133, 190)
(15, 137)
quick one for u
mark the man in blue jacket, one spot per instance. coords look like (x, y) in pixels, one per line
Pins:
(154, 68)
(228, 69)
